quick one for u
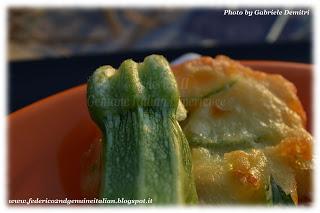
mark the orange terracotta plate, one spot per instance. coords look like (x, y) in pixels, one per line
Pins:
(54, 145)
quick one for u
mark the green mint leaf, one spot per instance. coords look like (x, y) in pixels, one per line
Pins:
(276, 196)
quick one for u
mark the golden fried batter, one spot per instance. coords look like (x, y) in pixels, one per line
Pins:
(244, 126)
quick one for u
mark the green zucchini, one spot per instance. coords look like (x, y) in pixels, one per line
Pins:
(145, 153)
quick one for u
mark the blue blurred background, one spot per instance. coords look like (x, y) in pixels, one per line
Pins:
(41, 33)
(50, 50)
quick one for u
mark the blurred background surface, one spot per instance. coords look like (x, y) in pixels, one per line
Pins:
(42, 33)
(53, 49)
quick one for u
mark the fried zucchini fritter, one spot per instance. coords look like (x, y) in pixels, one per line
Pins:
(244, 126)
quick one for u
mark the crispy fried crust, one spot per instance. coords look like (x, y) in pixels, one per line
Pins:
(278, 144)
(201, 72)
